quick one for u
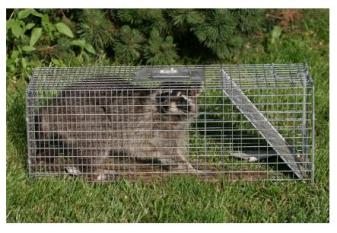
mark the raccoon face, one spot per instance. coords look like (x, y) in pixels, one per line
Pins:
(177, 102)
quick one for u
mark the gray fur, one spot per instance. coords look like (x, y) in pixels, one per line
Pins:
(142, 124)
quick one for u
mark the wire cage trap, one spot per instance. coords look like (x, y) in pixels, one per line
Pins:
(234, 121)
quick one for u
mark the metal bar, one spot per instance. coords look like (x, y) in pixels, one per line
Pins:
(313, 137)
(305, 126)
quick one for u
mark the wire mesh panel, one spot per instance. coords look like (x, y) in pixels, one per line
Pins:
(217, 121)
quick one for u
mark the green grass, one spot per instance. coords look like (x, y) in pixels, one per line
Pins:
(184, 199)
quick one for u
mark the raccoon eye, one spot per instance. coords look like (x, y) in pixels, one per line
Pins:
(182, 102)
(163, 96)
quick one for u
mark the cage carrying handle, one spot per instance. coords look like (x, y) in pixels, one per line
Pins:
(170, 74)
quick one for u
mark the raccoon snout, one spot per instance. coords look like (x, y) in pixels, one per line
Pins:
(174, 102)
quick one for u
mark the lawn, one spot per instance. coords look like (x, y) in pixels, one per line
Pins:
(185, 199)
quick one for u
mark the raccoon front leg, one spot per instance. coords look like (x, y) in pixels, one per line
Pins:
(90, 163)
(170, 159)
(177, 161)
(101, 172)
(150, 155)
(181, 164)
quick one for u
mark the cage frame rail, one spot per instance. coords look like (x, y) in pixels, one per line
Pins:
(300, 164)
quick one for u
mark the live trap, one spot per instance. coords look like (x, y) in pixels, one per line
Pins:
(234, 121)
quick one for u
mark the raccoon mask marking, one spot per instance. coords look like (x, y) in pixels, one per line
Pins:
(177, 101)
(174, 102)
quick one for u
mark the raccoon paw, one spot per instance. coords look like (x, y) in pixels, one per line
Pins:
(107, 176)
(74, 171)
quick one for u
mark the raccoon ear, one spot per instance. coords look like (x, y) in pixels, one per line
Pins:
(195, 91)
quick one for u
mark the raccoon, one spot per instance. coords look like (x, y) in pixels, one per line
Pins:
(92, 122)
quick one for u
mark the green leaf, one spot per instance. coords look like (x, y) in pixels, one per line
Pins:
(57, 62)
(24, 63)
(35, 13)
(15, 54)
(84, 45)
(28, 48)
(64, 29)
(79, 43)
(36, 34)
(26, 12)
(275, 34)
(89, 48)
(47, 26)
(30, 26)
(9, 23)
(17, 29)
